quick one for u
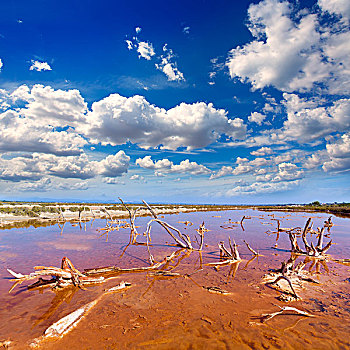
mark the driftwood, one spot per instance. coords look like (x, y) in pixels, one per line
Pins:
(181, 239)
(293, 275)
(69, 322)
(251, 249)
(232, 224)
(227, 257)
(285, 229)
(68, 275)
(297, 312)
(328, 223)
(5, 344)
(60, 277)
(216, 290)
(132, 216)
(310, 249)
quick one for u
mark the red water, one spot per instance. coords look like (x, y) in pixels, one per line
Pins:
(177, 312)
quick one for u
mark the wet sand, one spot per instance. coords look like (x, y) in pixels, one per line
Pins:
(178, 312)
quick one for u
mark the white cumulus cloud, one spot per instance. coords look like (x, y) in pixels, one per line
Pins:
(145, 50)
(257, 117)
(39, 66)
(166, 166)
(293, 54)
(117, 119)
(39, 165)
(339, 7)
(339, 154)
(263, 151)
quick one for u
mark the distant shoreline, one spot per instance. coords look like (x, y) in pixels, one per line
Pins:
(22, 214)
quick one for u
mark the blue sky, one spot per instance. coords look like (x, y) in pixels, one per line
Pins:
(195, 102)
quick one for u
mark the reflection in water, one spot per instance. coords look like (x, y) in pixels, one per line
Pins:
(234, 268)
(250, 261)
(61, 295)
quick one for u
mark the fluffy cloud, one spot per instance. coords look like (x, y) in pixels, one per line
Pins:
(73, 186)
(339, 7)
(307, 122)
(145, 50)
(244, 166)
(117, 119)
(168, 66)
(258, 187)
(224, 171)
(316, 159)
(290, 54)
(288, 172)
(38, 165)
(262, 151)
(166, 61)
(41, 119)
(39, 66)
(257, 117)
(31, 118)
(1, 64)
(130, 44)
(136, 177)
(270, 169)
(114, 165)
(21, 168)
(112, 181)
(18, 133)
(42, 185)
(339, 154)
(166, 166)
(48, 106)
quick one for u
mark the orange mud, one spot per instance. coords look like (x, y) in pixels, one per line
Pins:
(178, 312)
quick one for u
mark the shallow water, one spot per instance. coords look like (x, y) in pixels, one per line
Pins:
(178, 312)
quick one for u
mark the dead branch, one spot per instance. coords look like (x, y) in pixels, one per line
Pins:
(328, 223)
(326, 247)
(201, 231)
(310, 249)
(60, 277)
(241, 222)
(185, 238)
(320, 239)
(303, 236)
(60, 214)
(289, 282)
(266, 317)
(132, 216)
(250, 248)
(69, 322)
(231, 256)
(116, 269)
(216, 290)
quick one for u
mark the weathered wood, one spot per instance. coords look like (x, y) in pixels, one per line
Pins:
(266, 317)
